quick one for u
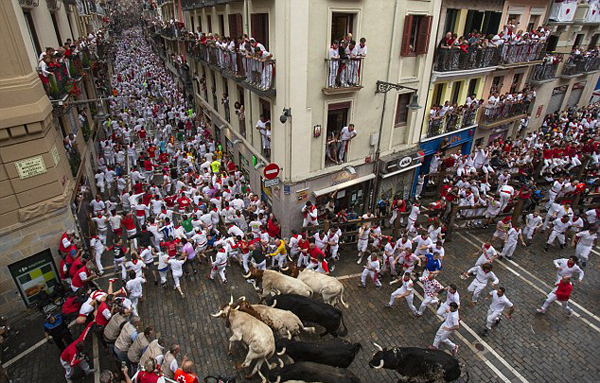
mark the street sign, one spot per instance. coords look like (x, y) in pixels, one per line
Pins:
(271, 171)
(273, 182)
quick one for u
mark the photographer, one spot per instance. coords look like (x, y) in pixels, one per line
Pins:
(74, 356)
(56, 331)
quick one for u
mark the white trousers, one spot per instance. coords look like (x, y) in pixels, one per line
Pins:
(509, 249)
(475, 287)
(409, 299)
(492, 315)
(551, 298)
(441, 336)
(220, 270)
(582, 251)
(555, 234)
(372, 274)
(428, 300)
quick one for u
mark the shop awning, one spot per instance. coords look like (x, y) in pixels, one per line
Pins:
(343, 185)
(400, 171)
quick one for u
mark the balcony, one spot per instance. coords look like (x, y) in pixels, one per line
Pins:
(480, 59)
(579, 65)
(546, 71)
(58, 83)
(451, 122)
(563, 11)
(188, 5)
(504, 112)
(343, 76)
(253, 73)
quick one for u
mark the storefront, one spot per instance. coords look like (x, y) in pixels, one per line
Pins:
(33, 275)
(447, 144)
(397, 174)
(348, 190)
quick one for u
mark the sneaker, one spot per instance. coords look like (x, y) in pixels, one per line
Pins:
(361, 286)
(113, 280)
(378, 287)
(455, 350)
(387, 305)
(69, 380)
(545, 249)
(418, 315)
(182, 295)
(583, 264)
(562, 246)
(485, 332)
(90, 371)
(224, 282)
(570, 313)
(432, 347)
(541, 311)
(359, 261)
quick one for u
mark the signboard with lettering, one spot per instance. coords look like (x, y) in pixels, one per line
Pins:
(55, 155)
(273, 182)
(460, 138)
(30, 167)
(33, 275)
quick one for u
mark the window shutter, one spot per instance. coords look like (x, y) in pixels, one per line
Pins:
(423, 37)
(405, 49)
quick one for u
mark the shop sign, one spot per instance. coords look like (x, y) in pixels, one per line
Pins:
(343, 176)
(431, 146)
(273, 182)
(302, 195)
(30, 167)
(33, 275)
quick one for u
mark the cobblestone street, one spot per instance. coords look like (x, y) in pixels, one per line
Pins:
(528, 348)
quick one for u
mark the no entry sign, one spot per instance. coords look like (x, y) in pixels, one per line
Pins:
(271, 171)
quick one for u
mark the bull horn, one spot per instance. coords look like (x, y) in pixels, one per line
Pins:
(247, 275)
(217, 314)
(290, 259)
(231, 300)
(289, 335)
(282, 352)
(379, 348)
(281, 364)
(274, 303)
(243, 298)
(278, 380)
(285, 268)
(380, 365)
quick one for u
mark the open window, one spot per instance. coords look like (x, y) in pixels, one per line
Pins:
(337, 118)
(260, 28)
(415, 37)
(341, 25)
(402, 110)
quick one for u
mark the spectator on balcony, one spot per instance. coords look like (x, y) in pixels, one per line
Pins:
(261, 126)
(265, 67)
(334, 63)
(331, 150)
(448, 40)
(342, 72)
(346, 135)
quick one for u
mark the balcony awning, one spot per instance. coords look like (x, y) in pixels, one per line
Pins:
(384, 176)
(343, 185)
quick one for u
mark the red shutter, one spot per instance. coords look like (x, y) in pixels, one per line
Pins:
(405, 48)
(423, 35)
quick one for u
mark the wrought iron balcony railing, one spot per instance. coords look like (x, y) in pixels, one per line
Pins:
(452, 122)
(576, 65)
(345, 73)
(504, 111)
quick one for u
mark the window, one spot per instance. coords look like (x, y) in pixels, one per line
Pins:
(225, 99)
(496, 84)
(491, 22)
(337, 118)
(221, 25)
(214, 90)
(200, 24)
(209, 22)
(578, 40)
(240, 91)
(260, 28)
(33, 33)
(437, 94)
(594, 41)
(515, 82)
(451, 16)
(341, 25)
(456, 88)
(533, 23)
(265, 108)
(415, 37)
(474, 21)
(552, 43)
(402, 110)
(235, 25)
(472, 86)
(56, 29)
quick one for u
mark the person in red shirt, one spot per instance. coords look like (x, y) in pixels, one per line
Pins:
(170, 201)
(315, 254)
(183, 203)
(151, 151)
(185, 374)
(273, 227)
(149, 374)
(561, 293)
(304, 246)
(74, 355)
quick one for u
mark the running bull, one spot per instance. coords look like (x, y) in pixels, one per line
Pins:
(335, 352)
(418, 364)
(312, 372)
(275, 281)
(311, 311)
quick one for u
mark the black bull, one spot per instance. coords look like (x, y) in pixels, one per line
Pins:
(335, 352)
(418, 364)
(309, 310)
(312, 372)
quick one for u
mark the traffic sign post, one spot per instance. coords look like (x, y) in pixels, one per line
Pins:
(271, 171)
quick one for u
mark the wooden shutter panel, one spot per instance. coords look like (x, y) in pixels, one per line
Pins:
(423, 37)
(405, 48)
(235, 25)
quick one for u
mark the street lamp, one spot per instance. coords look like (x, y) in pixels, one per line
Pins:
(384, 87)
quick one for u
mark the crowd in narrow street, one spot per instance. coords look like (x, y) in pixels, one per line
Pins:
(171, 204)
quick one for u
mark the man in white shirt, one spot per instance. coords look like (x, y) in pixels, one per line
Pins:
(451, 324)
(497, 306)
(334, 63)
(532, 223)
(405, 291)
(134, 287)
(483, 274)
(567, 267)
(452, 296)
(346, 135)
(559, 227)
(583, 243)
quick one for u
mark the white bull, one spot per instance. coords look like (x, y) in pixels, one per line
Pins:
(252, 332)
(274, 281)
(330, 288)
(283, 322)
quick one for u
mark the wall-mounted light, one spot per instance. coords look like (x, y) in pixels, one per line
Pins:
(287, 112)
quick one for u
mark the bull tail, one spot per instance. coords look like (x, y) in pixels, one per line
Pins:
(346, 305)
(345, 329)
